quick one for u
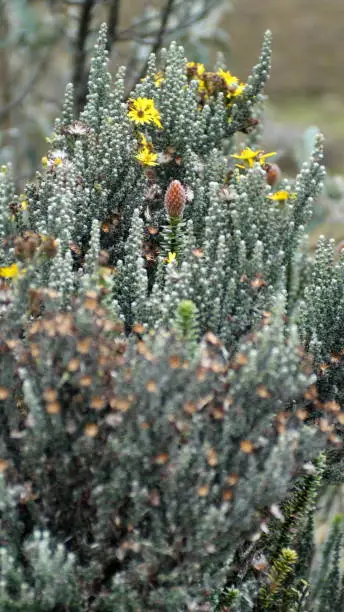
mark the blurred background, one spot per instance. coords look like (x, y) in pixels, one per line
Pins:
(305, 91)
(44, 44)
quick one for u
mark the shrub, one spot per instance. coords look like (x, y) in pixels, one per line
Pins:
(171, 380)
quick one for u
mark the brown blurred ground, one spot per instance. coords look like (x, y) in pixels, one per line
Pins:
(307, 79)
(307, 43)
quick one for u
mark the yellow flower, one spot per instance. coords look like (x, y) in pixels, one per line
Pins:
(146, 153)
(249, 157)
(24, 205)
(147, 157)
(240, 88)
(159, 78)
(202, 88)
(171, 258)
(11, 271)
(228, 78)
(144, 141)
(195, 69)
(282, 195)
(142, 110)
(55, 159)
(156, 118)
(263, 157)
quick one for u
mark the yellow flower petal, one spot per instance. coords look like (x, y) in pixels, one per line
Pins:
(238, 91)
(147, 157)
(196, 67)
(262, 158)
(249, 156)
(171, 258)
(228, 78)
(281, 195)
(11, 271)
(144, 141)
(159, 78)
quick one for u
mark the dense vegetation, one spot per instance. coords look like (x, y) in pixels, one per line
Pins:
(171, 354)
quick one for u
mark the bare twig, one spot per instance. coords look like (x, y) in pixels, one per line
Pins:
(11, 104)
(5, 110)
(80, 56)
(155, 38)
(129, 35)
(164, 19)
(113, 21)
(5, 70)
(165, 14)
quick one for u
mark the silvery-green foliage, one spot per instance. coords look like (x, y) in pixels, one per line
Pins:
(98, 167)
(322, 308)
(308, 186)
(53, 571)
(154, 386)
(177, 457)
(12, 584)
(67, 112)
(98, 170)
(52, 578)
(6, 196)
(92, 255)
(321, 319)
(61, 275)
(328, 593)
(133, 280)
(260, 73)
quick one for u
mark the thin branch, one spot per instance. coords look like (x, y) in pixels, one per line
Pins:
(165, 14)
(116, 36)
(178, 28)
(5, 110)
(74, 2)
(81, 53)
(5, 69)
(164, 19)
(113, 21)
(169, 32)
(129, 32)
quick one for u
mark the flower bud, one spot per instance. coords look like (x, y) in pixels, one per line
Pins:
(273, 174)
(175, 198)
(26, 245)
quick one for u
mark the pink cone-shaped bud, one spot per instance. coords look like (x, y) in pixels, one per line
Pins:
(175, 198)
